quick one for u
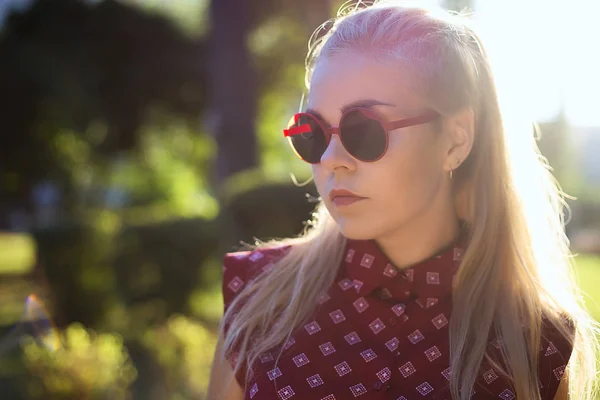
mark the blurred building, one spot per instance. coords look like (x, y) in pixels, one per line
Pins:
(588, 143)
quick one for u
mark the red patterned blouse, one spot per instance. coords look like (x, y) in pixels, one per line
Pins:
(378, 333)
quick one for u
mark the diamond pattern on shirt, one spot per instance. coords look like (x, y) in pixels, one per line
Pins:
(327, 348)
(350, 255)
(342, 368)
(558, 372)
(489, 376)
(390, 271)
(433, 353)
(368, 355)
(416, 337)
(235, 284)
(384, 375)
(358, 390)
(407, 369)
(255, 256)
(392, 344)
(361, 304)
(300, 360)
(433, 278)
(314, 380)
(253, 390)
(357, 285)
(424, 388)
(337, 316)
(274, 373)
(446, 373)
(289, 343)
(399, 308)
(550, 350)
(507, 395)
(430, 302)
(375, 325)
(367, 261)
(346, 284)
(352, 338)
(439, 321)
(312, 328)
(286, 392)
(266, 357)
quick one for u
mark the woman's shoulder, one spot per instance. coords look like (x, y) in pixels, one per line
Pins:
(555, 351)
(240, 267)
(555, 341)
(250, 263)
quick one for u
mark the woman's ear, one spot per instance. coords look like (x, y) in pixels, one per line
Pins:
(459, 128)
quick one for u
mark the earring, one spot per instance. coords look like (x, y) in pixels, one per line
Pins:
(457, 163)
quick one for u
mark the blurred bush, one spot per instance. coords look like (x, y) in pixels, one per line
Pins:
(184, 349)
(89, 366)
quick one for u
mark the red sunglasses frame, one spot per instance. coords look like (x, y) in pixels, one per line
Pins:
(428, 116)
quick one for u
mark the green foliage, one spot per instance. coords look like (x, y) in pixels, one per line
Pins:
(190, 15)
(71, 150)
(206, 302)
(89, 366)
(185, 349)
(278, 45)
(17, 253)
(176, 164)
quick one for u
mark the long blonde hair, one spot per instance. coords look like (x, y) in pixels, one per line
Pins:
(517, 268)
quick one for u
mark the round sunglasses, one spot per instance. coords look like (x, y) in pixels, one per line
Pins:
(363, 134)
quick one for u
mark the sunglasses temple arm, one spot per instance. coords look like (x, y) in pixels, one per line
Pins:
(302, 101)
(421, 119)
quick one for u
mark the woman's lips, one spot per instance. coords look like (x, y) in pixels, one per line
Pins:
(344, 201)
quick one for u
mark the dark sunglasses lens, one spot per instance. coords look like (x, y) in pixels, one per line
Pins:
(309, 140)
(363, 136)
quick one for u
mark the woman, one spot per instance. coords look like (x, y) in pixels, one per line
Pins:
(435, 265)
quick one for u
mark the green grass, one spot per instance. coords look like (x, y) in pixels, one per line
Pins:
(588, 277)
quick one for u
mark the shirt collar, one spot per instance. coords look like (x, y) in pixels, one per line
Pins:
(370, 270)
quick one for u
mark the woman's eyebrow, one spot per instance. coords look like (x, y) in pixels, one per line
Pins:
(365, 103)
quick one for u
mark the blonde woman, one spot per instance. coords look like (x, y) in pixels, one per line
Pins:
(435, 265)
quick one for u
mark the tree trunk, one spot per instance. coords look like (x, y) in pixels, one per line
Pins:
(233, 83)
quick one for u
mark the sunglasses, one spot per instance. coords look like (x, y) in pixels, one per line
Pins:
(363, 134)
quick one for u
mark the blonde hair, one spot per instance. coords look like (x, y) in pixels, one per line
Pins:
(517, 268)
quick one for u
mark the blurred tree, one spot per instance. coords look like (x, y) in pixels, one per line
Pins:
(555, 141)
(234, 87)
(458, 5)
(67, 65)
(239, 73)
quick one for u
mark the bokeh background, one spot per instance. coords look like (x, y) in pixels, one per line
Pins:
(141, 139)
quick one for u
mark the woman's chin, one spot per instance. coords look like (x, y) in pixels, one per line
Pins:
(354, 230)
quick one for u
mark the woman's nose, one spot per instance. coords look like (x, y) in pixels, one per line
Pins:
(336, 156)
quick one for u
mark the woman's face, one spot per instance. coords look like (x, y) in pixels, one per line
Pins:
(402, 186)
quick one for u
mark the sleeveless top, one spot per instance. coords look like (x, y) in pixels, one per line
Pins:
(378, 333)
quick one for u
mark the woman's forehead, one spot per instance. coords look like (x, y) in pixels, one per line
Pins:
(350, 77)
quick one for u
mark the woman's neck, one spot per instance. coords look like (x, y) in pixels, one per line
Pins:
(419, 239)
